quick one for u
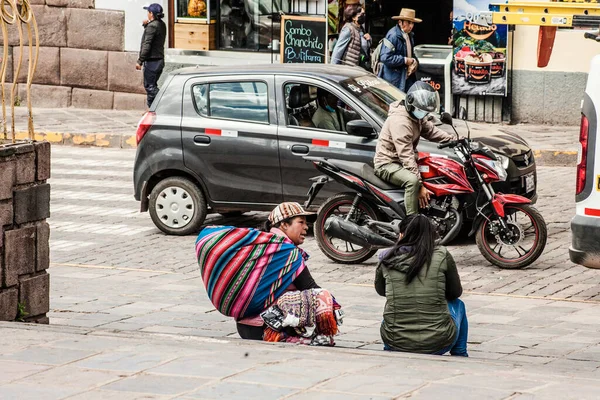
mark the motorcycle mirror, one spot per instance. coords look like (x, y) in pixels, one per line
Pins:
(462, 114)
(360, 127)
(446, 118)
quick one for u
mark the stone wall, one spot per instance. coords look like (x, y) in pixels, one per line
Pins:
(547, 97)
(82, 62)
(24, 233)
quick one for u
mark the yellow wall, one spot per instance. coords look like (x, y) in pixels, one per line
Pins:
(571, 53)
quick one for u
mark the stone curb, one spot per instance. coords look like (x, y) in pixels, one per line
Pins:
(111, 140)
(556, 158)
(176, 338)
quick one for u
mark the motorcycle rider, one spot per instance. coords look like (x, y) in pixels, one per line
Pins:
(396, 156)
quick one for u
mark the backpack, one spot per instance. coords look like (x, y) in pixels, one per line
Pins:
(375, 63)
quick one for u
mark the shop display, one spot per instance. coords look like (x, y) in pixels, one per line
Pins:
(479, 51)
(196, 9)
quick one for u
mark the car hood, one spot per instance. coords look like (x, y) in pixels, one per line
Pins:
(508, 144)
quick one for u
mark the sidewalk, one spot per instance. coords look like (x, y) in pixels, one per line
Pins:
(552, 145)
(80, 127)
(105, 343)
(45, 362)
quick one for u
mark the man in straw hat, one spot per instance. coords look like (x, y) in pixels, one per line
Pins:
(398, 60)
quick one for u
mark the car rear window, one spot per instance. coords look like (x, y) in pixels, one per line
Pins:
(245, 101)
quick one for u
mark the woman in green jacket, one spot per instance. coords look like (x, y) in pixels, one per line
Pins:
(423, 312)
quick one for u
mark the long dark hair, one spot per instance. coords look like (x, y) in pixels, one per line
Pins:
(417, 241)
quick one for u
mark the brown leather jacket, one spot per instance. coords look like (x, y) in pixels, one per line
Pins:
(400, 136)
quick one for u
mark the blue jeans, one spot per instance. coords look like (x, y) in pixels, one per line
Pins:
(459, 315)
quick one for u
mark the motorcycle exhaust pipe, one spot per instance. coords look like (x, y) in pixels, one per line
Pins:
(452, 233)
(350, 232)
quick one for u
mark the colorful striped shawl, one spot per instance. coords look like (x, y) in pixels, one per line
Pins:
(245, 270)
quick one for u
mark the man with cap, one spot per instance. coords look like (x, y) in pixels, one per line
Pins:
(152, 51)
(398, 61)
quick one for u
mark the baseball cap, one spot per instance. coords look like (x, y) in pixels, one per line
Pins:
(154, 8)
(288, 210)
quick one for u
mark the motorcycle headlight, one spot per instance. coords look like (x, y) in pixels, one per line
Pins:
(504, 161)
(497, 166)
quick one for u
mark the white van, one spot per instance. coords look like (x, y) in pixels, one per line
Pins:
(585, 226)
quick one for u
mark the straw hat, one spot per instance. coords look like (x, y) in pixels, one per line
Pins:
(407, 14)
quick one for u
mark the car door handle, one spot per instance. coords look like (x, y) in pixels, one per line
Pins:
(300, 149)
(201, 139)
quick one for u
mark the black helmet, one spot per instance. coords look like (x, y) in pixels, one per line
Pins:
(421, 99)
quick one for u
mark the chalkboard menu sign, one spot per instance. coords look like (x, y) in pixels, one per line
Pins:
(304, 39)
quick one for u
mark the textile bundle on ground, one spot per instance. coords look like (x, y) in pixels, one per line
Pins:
(310, 313)
(244, 270)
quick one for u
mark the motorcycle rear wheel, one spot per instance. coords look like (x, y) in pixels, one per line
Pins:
(523, 219)
(339, 250)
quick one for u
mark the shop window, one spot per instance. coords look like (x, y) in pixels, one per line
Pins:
(195, 10)
(245, 101)
(251, 24)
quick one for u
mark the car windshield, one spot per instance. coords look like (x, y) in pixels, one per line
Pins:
(373, 92)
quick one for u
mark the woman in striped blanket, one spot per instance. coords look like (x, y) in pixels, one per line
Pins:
(245, 271)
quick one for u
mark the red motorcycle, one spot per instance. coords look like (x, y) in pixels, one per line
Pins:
(352, 226)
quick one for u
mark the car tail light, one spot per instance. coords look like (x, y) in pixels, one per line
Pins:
(145, 123)
(582, 165)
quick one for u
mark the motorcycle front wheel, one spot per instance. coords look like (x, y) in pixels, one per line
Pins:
(336, 249)
(518, 246)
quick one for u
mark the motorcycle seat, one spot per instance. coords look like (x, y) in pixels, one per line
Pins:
(363, 170)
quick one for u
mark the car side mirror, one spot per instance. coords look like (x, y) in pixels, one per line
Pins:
(360, 127)
(462, 113)
(446, 118)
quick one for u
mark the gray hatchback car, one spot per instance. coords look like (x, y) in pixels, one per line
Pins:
(229, 140)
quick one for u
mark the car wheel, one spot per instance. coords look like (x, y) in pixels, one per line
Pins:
(177, 206)
(339, 250)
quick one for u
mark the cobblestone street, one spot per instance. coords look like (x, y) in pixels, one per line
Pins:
(95, 221)
(112, 268)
